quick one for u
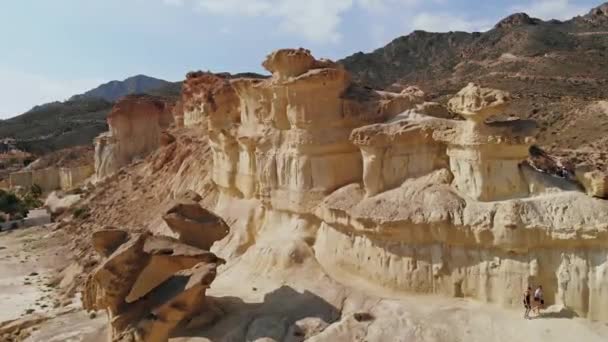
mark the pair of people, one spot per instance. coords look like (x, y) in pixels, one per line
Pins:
(538, 304)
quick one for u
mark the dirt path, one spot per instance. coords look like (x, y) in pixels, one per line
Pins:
(29, 261)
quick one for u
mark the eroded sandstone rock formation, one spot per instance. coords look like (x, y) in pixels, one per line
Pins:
(335, 188)
(148, 284)
(136, 123)
(389, 193)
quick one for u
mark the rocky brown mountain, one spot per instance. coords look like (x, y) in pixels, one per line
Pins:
(114, 90)
(554, 69)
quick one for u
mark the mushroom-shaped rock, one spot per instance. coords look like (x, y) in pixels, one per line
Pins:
(286, 63)
(485, 156)
(195, 225)
(476, 104)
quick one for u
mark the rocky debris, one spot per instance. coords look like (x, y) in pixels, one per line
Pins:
(195, 225)
(148, 285)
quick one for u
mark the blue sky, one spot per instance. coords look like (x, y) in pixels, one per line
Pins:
(51, 49)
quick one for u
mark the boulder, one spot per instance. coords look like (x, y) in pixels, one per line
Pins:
(106, 241)
(195, 225)
(57, 203)
(149, 285)
(595, 182)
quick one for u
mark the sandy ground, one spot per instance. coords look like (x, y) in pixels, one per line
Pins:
(26, 269)
(36, 217)
(30, 258)
(30, 263)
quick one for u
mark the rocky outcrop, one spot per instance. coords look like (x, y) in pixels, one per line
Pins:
(517, 19)
(391, 194)
(148, 284)
(335, 189)
(285, 141)
(470, 219)
(203, 93)
(136, 123)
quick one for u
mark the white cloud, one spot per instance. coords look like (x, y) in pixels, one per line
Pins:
(551, 9)
(24, 90)
(315, 20)
(444, 22)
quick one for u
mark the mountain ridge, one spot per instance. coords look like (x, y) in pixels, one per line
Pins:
(552, 68)
(113, 90)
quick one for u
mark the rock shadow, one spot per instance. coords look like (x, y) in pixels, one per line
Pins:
(563, 313)
(237, 320)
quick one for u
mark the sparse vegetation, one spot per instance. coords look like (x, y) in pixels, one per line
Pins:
(12, 205)
(81, 212)
(32, 197)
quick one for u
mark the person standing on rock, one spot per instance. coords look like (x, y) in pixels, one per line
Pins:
(539, 301)
(527, 303)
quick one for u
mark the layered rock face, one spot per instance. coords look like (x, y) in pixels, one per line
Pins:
(388, 190)
(136, 123)
(467, 218)
(51, 178)
(284, 140)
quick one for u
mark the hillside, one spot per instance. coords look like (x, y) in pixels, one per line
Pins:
(59, 125)
(114, 90)
(553, 69)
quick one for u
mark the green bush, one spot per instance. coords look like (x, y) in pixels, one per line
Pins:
(36, 190)
(12, 205)
(32, 197)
